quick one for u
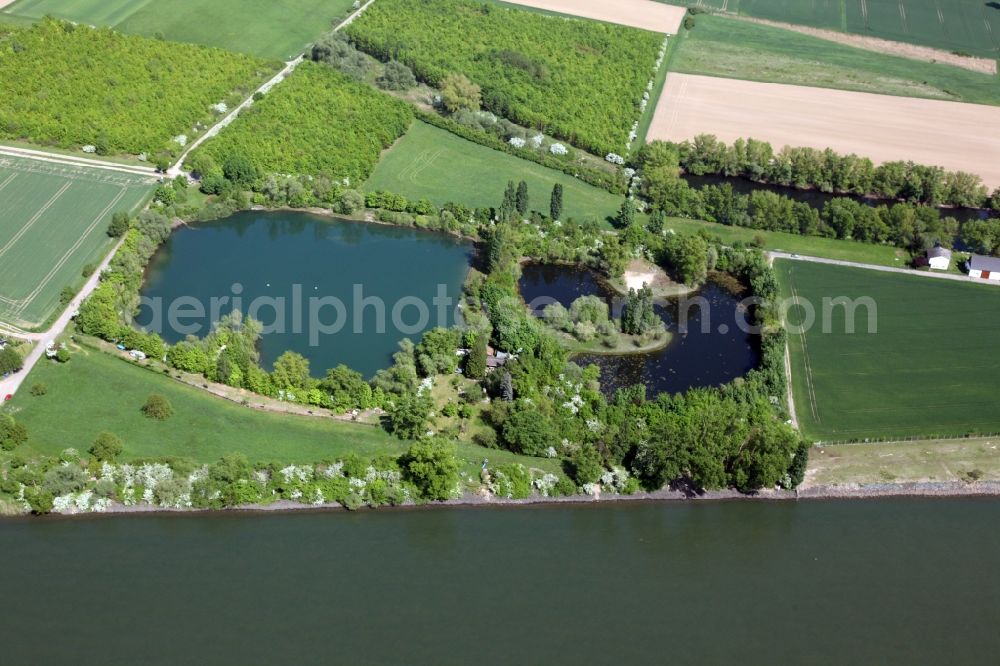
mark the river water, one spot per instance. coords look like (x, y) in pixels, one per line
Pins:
(902, 581)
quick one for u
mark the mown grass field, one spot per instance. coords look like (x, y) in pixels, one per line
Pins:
(261, 27)
(435, 164)
(908, 461)
(53, 223)
(953, 25)
(931, 369)
(732, 48)
(811, 246)
(95, 391)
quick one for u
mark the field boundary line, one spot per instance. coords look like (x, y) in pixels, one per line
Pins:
(885, 269)
(791, 391)
(62, 262)
(70, 160)
(8, 181)
(807, 367)
(883, 45)
(34, 218)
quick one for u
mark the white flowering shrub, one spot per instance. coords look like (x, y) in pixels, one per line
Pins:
(558, 149)
(615, 480)
(220, 107)
(536, 141)
(181, 140)
(517, 142)
(90, 149)
(615, 158)
(545, 483)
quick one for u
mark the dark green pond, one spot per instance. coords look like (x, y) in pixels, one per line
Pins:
(291, 270)
(712, 342)
(838, 582)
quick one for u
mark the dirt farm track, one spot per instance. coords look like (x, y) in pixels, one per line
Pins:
(956, 136)
(646, 14)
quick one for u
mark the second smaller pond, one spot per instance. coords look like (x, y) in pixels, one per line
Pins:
(712, 342)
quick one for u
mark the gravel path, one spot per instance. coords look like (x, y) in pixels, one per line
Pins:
(885, 269)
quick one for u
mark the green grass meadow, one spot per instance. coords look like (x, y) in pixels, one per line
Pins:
(811, 246)
(95, 391)
(53, 224)
(432, 163)
(265, 28)
(732, 48)
(972, 26)
(931, 369)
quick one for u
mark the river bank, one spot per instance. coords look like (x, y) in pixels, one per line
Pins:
(944, 489)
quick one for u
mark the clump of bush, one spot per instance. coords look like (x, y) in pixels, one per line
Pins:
(107, 447)
(157, 407)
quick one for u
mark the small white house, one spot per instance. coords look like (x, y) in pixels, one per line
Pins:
(939, 258)
(984, 268)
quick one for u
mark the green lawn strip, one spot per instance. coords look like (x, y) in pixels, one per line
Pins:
(95, 391)
(264, 28)
(929, 370)
(732, 48)
(952, 25)
(813, 246)
(658, 84)
(431, 163)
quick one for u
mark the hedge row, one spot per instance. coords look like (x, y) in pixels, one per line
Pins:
(615, 183)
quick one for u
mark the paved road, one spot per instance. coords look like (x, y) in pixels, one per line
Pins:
(885, 269)
(10, 385)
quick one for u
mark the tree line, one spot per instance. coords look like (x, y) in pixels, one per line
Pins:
(824, 170)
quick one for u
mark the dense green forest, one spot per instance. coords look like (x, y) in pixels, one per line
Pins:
(69, 85)
(318, 121)
(581, 81)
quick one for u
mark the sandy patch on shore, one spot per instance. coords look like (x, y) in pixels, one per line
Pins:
(644, 14)
(883, 128)
(887, 46)
(634, 280)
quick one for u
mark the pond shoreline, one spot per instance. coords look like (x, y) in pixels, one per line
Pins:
(912, 489)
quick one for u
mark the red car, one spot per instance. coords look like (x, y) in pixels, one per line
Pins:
(8, 397)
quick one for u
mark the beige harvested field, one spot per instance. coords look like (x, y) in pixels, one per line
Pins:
(932, 460)
(646, 14)
(956, 136)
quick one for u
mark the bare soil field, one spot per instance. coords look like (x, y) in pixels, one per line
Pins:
(883, 128)
(913, 51)
(645, 14)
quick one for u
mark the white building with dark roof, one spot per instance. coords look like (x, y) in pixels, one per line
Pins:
(939, 258)
(984, 268)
